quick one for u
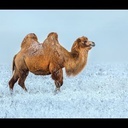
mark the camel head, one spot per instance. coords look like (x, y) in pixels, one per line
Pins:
(82, 43)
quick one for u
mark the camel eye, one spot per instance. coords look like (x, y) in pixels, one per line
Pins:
(85, 42)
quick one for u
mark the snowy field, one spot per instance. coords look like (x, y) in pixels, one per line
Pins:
(99, 91)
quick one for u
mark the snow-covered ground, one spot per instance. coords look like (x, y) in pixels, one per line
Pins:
(99, 91)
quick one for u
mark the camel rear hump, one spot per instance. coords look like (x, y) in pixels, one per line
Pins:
(28, 40)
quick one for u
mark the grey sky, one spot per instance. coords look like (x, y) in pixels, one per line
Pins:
(107, 28)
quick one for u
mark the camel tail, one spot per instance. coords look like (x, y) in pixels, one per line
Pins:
(13, 63)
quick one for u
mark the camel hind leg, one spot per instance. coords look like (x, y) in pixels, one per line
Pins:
(22, 78)
(13, 80)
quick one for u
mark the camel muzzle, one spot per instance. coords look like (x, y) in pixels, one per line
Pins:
(93, 44)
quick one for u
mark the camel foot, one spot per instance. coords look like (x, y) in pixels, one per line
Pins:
(11, 92)
(57, 90)
(25, 89)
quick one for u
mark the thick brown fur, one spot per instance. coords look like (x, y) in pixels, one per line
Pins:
(48, 58)
(28, 40)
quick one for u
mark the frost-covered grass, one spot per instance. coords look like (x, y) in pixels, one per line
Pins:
(99, 91)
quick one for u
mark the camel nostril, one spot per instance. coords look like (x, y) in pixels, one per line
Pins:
(93, 44)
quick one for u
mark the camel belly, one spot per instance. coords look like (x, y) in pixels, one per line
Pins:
(40, 72)
(39, 69)
(38, 66)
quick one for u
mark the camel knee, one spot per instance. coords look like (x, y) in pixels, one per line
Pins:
(57, 75)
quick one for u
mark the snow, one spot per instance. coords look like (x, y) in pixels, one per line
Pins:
(99, 91)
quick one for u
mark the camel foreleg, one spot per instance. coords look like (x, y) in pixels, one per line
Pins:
(57, 76)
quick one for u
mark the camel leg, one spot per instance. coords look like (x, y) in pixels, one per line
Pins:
(22, 78)
(58, 77)
(13, 80)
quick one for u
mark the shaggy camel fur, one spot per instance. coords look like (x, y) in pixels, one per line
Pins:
(49, 57)
(28, 40)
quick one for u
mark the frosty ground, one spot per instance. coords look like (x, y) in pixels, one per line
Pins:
(99, 91)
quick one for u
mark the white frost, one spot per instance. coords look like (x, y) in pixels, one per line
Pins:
(35, 48)
(100, 90)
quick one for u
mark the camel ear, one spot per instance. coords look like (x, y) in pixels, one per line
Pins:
(76, 45)
(78, 40)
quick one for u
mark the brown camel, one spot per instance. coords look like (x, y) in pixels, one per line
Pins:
(48, 58)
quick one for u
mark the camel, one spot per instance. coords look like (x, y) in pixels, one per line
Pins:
(49, 58)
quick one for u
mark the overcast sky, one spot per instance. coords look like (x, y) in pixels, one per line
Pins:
(107, 28)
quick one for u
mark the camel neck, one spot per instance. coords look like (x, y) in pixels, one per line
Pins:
(76, 62)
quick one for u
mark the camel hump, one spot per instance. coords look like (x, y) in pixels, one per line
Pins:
(53, 35)
(28, 40)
